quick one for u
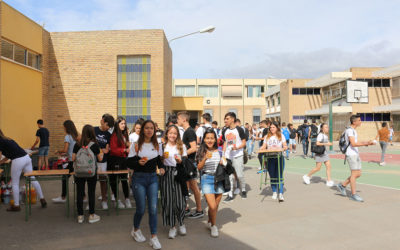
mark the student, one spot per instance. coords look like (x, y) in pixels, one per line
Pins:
(119, 149)
(250, 140)
(322, 140)
(263, 131)
(145, 181)
(208, 159)
(42, 135)
(196, 127)
(235, 141)
(286, 134)
(217, 130)
(292, 138)
(312, 134)
(353, 158)
(304, 130)
(391, 135)
(71, 137)
(275, 140)
(189, 139)
(20, 162)
(103, 137)
(88, 138)
(207, 124)
(173, 201)
(383, 135)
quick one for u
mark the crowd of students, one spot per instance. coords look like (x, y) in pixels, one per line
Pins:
(173, 161)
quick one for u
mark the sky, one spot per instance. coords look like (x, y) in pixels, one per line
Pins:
(252, 39)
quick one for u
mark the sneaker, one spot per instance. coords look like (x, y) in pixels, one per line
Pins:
(209, 225)
(112, 197)
(172, 233)
(225, 194)
(228, 199)
(330, 183)
(294, 152)
(182, 230)
(214, 231)
(382, 164)
(341, 189)
(237, 191)
(155, 243)
(93, 218)
(104, 205)
(197, 214)
(274, 195)
(138, 236)
(13, 208)
(187, 212)
(120, 204)
(43, 203)
(306, 179)
(128, 203)
(356, 197)
(281, 197)
(244, 195)
(58, 200)
(80, 219)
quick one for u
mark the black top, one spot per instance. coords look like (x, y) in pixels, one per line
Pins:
(95, 149)
(44, 135)
(189, 136)
(10, 149)
(264, 133)
(293, 132)
(103, 138)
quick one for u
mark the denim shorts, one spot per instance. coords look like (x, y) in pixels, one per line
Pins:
(43, 151)
(292, 141)
(207, 185)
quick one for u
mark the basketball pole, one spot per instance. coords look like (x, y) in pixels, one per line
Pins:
(331, 121)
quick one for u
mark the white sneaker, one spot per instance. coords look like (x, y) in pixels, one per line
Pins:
(93, 218)
(382, 164)
(237, 191)
(274, 195)
(172, 233)
(80, 219)
(281, 197)
(120, 204)
(330, 183)
(100, 198)
(138, 236)
(104, 205)
(58, 200)
(225, 194)
(112, 197)
(128, 203)
(306, 179)
(155, 243)
(214, 231)
(182, 230)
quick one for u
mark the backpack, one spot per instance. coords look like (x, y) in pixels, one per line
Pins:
(286, 133)
(85, 163)
(343, 143)
(305, 131)
(314, 131)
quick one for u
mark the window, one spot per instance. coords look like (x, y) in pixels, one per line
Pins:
(298, 118)
(279, 99)
(268, 104)
(134, 88)
(317, 91)
(273, 102)
(208, 91)
(234, 111)
(303, 91)
(375, 117)
(19, 54)
(377, 83)
(254, 91)
(184, 91)
(7, 49)
(295, 91)
(210, 111)
(306, 91)
(386, 83)
(396, 87)
(256, 115)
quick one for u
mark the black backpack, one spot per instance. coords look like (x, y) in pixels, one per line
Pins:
(343, 143)
(314, 131)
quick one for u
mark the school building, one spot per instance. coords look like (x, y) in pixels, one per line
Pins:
(79, 76)
(244, 97)
(299, 99)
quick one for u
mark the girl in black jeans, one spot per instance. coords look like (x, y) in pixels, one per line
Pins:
(88, 136)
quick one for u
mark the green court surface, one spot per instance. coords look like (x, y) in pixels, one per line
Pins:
(372, 174)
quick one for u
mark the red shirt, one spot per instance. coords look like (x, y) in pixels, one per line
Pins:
(115, 149)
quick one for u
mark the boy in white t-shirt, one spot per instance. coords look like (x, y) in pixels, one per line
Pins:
(353, 158)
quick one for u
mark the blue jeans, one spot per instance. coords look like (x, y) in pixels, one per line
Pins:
(305, 143)
(313, 143)
(272, 165)
(250, 146)
(145, 185)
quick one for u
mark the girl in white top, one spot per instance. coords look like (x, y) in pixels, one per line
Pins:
(275, 141)
(322, 140)
(173, 201)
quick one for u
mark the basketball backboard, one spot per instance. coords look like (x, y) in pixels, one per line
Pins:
(357, 92)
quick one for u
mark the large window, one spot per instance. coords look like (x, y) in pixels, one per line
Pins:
(298, 118)
(375, 117)
(377, 83)
(185, 90)
(208, 91)
(20, 55)
(134, 90)
(256, 115)
(306, 91)
(254, 91)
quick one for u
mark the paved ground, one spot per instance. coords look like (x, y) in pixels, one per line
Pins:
(312, 217)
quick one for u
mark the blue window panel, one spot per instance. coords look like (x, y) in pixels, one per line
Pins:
(135, 68)
(148, 67)
(378, 117)
(148, 93)
(148, 117)
(119, 93)
(369, 117)
(119, 68)
(386, 117)
(129, 119)
(140, 68)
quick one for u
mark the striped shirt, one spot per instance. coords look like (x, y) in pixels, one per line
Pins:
(211, 164)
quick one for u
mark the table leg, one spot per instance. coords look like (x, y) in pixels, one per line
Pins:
(27, 198)
(279, 176)
(108, 195)
(117, 196)
(30, 198)
(67, 187)
(74, 201)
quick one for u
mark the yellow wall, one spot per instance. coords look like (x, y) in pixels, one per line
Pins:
(187, 103)
(20, 102)
(21, 30)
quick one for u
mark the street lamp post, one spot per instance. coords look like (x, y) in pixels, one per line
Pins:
(208, 29)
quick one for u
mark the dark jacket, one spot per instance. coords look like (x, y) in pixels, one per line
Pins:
(222, 174)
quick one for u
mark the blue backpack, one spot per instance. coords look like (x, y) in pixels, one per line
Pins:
(286, 133)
